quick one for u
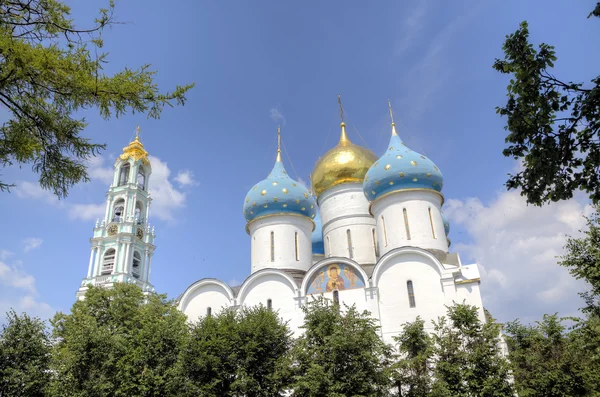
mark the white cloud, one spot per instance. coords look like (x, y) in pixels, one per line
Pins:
(18, 291)
(185, 178)
(87, 212)
(32, 243)
(14, 277)
(97, 172)
(516, 246)
(5, 254)
(276, 115)
(411, 25)
(165, 197)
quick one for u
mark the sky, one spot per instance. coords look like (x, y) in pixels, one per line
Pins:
(263, 63)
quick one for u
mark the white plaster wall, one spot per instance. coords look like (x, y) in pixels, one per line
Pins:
(471, 295)
(282, 294)
(284, 228)
(417, 205)
(394, 307)
(343, 208)
(201, 298)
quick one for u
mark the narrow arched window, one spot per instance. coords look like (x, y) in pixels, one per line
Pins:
(336, 297)
(138, 212)
(124, 174)
(350, 247)
(209, 311)
(411, 293)
(384, 231)
(137, 265)
(272, 246)
(431, 223)
(406, 224)
(374, 242)
(119, 211)
(141, 178)
(296, 246)
(329, 246)
(269, 304)
(108, 262)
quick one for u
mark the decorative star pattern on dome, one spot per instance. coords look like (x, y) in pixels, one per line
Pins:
(278, 194)
(401, 168)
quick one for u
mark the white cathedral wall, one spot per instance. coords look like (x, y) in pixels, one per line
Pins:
(284, 229)
(471, 295)
(391, 228)
(345, 207)
(282, 294)
(197, 302)
(394, 307)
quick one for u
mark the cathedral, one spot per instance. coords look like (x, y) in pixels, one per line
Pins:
(370, 232)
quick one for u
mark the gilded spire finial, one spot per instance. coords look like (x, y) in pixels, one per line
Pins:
(137, 133)
(343, 136)
(278, 144)
(392, 117)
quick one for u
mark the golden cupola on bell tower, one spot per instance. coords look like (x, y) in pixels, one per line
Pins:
(344, 163)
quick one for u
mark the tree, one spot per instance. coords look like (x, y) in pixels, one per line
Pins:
(118, 342)
(545, 359)
(582, 258)
(553, 124)
(468, 356)
(50, 70)
(412, 372)
(24, 356)
(243, 353)
(339, 354)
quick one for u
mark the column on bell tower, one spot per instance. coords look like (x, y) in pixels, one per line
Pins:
(123, 240)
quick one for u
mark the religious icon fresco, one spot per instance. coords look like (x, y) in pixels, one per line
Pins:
(335, 277)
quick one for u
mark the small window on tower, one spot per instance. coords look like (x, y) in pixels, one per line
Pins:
(375, 242)
(124, 174)
(108, 262)
(296, 246)
(138, 212)
(269, 304)
(272, 246)
(411, 293)
(406, 226)
(350, 247)
(141, 178)
(137, 264)
(209, 311)
(336, 297)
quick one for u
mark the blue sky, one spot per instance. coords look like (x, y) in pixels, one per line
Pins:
(257, 64)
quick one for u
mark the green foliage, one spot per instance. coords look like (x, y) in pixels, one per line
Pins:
(117, 342)
(340, 353)
(468, 356)
(411, 373)
(546, 360)
(582, 258)
(554, 126)
(236, 353)
(24, 356)
(50, 70)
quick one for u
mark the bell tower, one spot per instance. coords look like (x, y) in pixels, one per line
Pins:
(122, 245)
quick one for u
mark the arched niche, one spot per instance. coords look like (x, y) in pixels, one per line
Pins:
(333, 274)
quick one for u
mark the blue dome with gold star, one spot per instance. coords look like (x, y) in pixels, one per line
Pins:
(318, 247)
(401, 168)
(279, 194)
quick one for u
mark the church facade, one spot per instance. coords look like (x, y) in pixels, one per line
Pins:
(371, 232)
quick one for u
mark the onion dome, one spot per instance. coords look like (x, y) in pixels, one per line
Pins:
(279, 194)
(401, 168)
(446, 224)
(318, 247)
(345, 163)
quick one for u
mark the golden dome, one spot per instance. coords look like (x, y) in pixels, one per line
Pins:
(345, 163)
(136, 150)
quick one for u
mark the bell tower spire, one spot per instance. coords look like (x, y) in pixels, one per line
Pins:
(123, 241)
